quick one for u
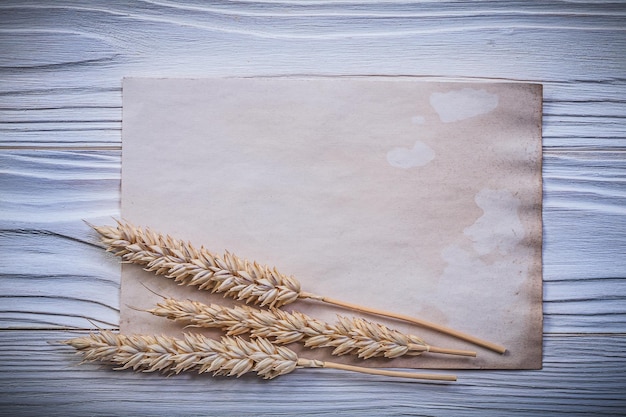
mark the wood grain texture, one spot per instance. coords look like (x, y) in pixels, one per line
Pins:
(72, 186)
(581, 375)
(64, 89)
(60, 89)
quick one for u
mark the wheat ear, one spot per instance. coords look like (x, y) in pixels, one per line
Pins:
(231, 275)
(232, 356)
(349, 336)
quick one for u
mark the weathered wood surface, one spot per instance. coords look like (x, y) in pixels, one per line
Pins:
(61, 65)
(581, 375)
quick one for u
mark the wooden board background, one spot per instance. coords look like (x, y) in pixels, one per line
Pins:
(61, 65)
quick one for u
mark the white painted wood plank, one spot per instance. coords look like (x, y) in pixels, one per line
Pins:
(585, 306)
(55, 280)
(79, 51)
(74, 103)
(53, 275)
(58, 187)
(558, 131)
(581, 375)
(407, 37)
(591, 227)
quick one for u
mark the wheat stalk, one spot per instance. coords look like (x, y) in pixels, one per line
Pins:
(232, 356)
(348, 336)
(243, 280)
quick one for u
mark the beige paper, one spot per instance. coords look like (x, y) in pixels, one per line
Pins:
(421, 198)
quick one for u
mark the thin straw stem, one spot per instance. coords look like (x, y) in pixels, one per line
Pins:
(420, 322)
(446, 351)
(384, 372)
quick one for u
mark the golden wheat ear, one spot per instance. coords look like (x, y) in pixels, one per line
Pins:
(348, 336)
(243, 280)
(231, 356)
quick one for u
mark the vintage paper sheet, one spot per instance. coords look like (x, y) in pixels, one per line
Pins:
(422, 198)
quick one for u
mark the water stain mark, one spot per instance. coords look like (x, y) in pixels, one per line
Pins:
(406, 158)
(466, 103)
